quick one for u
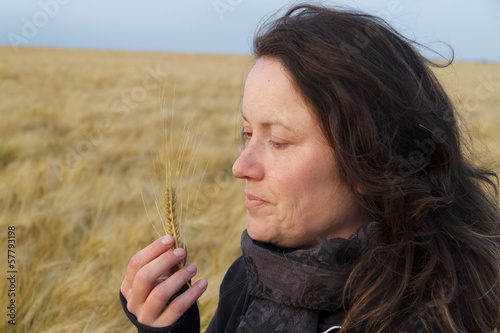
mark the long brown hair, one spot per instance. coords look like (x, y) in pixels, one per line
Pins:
(435, 262)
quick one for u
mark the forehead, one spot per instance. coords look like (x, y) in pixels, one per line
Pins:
(271, 94)
(269, 75)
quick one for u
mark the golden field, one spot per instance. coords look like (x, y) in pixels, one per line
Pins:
(77, 131)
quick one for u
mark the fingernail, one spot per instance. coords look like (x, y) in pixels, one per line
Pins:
(179, 252)
(167, 240)
(202, 284)
(191, 268)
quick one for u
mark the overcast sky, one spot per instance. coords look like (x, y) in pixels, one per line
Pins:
(472, 28)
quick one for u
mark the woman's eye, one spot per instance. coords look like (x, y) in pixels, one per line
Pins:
(245, 137)
(278, 145)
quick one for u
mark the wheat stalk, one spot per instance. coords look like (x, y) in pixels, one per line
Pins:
(177, 166)
(171, 222)
(172, 166)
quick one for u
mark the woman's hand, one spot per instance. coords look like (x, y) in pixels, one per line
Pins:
(152, 283)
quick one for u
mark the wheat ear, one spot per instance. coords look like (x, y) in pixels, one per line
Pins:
(171, 223)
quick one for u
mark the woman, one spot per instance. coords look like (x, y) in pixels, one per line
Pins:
(363, 214)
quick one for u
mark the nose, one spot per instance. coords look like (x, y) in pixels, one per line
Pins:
(248, 165)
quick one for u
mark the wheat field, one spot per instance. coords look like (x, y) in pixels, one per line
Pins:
(77, 133)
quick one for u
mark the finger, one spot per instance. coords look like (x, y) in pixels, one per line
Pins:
(167, 290)
(183, 245)
(141, 258)
(160, 267)
(179, 305)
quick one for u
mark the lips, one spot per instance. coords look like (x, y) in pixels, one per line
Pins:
(253, 201)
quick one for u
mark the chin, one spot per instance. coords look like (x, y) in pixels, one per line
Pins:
(256, 232)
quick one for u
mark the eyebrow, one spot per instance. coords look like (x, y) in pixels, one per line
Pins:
(271, 123)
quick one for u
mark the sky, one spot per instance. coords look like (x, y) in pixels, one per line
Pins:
(472, 28)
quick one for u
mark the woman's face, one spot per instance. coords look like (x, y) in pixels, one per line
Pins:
(294, 195)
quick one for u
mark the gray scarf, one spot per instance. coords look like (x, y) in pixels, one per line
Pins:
(299, 290)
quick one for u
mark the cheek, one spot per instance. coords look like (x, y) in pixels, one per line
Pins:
(311, 177)
(316, 186)
(296, 192)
